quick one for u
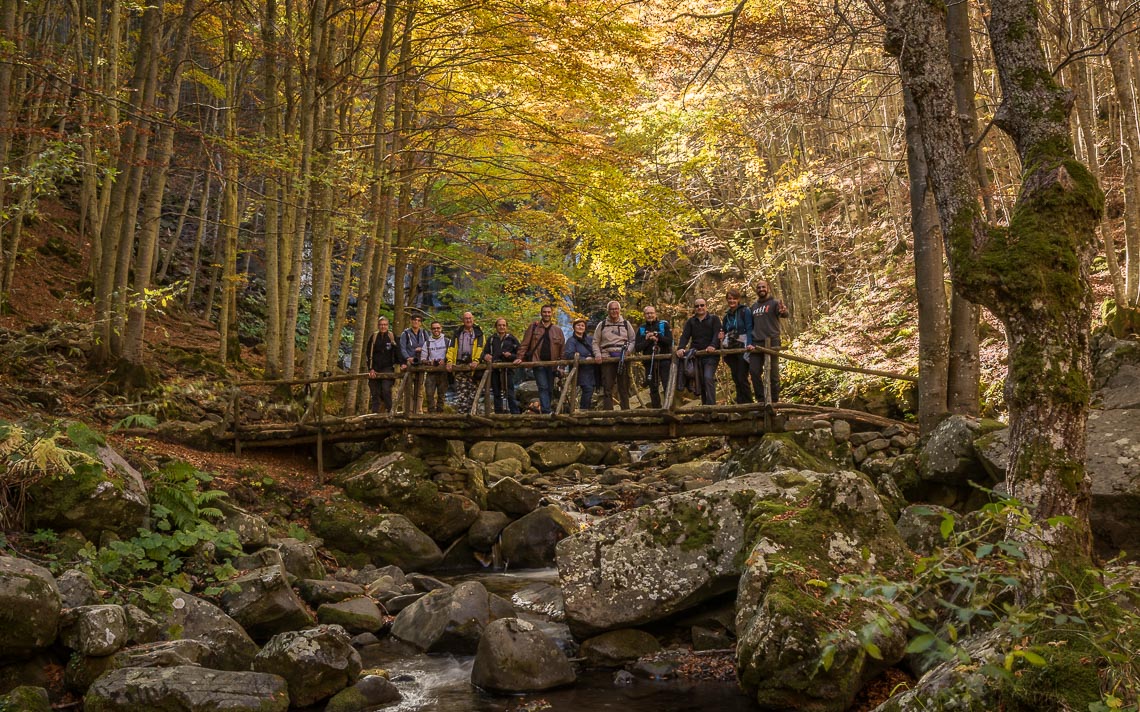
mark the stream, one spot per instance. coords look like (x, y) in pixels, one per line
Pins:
(442, 683)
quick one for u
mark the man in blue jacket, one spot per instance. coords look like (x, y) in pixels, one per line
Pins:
(766, 315)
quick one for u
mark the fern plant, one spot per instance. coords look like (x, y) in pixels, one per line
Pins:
(184, 548)
(29, 453)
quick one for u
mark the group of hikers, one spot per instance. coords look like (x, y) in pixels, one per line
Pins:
(601, 355)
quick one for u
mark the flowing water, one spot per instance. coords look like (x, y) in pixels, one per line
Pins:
(442, 683)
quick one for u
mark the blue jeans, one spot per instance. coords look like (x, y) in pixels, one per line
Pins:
(587, 400)
(544, 379)
(503, 391)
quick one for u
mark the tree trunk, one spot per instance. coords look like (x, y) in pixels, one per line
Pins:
(199, 236)
(274, 331)
(933, 359)
(229, 346)
(152, 210)
(1032, 275)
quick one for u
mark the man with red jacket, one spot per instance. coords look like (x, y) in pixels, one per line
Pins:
(543, 341)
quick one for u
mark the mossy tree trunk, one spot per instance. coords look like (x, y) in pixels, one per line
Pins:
(1033, 274)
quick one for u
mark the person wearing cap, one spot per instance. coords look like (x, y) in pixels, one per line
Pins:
(412, 343)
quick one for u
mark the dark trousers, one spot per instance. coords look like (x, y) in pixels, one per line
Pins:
(707, 375)
(587, 400)
(414, 393)
(503, 391)
(436, 387)
(738, 367)
(756, 368)
(380, 395)
(544, 379)
(612, 380)
(656, 378)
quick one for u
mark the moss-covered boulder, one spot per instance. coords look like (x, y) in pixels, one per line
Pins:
(948, 455)
(104, 494)
(186, 689)
(384, 538)
(82, 670)
(786, 621)
(368, 693)
(26, 699)
(94, 630)
(356, 615)
(817, 450)
(510, 497)
(402, 484)
(29, 608)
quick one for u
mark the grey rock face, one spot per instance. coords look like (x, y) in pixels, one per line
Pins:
(317, 663)
(1113, 463)
(265, 604)
(515, 656)
(449, 620)
(317, 592)
(187, 617)
(29, 607)
(530, 542)
(94, 630)
(489, 452)
(186, 689)
(643, 565)
(252, 531)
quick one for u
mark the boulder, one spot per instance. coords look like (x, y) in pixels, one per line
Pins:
(643, 565)
(1116, 373)
(530, 542)
(251, 530)
(677, 474)
(141, 626)
(29, 607)
(816, 449)
(515, 656)
(919, 525)
(26, 699)
(300, 559)
(484, 532)
(76, 589)
(317, 592)
(186, 689)
(368, 693)
(82, 670)
(355, 615)
(834, 525)
(317, 663)
(948, 455)
(1113, 463)
(504, 468)
(618, 647)
(450, 620)
(510, 497)
(200, 436)
(385, 538)
(670, 452)
(402, 484)
(185, 617)
(488, 452)
(94, 630)
(264, 603)
(547, 456)
(541, 598)
(104, 495)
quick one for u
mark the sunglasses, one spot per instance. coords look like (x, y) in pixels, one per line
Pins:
(698, 306)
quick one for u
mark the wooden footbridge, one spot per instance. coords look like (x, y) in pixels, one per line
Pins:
(303, 412)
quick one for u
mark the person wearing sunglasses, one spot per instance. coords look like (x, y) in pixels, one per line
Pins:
(701, 333)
